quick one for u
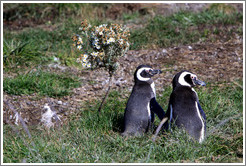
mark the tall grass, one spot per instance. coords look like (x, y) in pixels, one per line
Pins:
(178, 29)
(92, 138)
(43, 83)
(185, 27)
(52, 11)
(89, 137)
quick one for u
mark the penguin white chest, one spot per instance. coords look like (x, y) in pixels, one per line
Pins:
(153, 88)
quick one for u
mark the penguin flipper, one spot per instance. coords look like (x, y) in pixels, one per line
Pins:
(171, 116)
(156, 108)
(201, 111)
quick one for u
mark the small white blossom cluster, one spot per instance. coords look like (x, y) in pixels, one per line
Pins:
(106, 44)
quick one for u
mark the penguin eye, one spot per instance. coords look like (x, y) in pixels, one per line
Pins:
(148, 70)
(193, 77)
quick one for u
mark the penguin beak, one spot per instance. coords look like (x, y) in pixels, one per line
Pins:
(199, 82)
(154, 72)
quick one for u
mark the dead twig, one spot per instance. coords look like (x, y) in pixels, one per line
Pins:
(240, 86)
(11, 107)
(159, 128)
(223, 122)
(22, 138)
(106, 95)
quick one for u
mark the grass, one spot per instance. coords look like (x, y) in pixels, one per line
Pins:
(186, 27)
(22, 53)
(88, 137)
(52, 11)
(43, 83)
(178, 29)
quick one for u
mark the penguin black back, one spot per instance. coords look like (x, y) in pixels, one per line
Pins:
(184, 108)
(138, 113)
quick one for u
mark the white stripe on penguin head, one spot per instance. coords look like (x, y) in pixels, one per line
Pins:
(182, 80)
(140, 78)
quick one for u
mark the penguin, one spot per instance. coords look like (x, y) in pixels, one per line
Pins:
(184, 109)
(142, 105)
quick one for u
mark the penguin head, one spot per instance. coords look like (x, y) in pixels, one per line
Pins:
(144, 73)
(186, 78)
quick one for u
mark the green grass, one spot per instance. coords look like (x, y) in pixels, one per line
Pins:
(33, 44)
(88, 137)
(44, 43)
(51, 11)
(22, 53)
(43, 83)
(186, 27)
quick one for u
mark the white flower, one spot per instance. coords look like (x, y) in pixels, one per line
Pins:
(96, 40)
(88, 65)
(85, 56)
(79, 47)
(101, 33)
(95, 54)
(98, 47)
(110, 40)
(97, 29)
(78, 60)
(84, 59)
(121, 41)
(103, 25)
(80, 40)
(84, 64)
(96, 44)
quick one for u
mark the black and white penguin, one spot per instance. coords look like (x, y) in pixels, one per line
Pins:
(142, 104)
(184, 109)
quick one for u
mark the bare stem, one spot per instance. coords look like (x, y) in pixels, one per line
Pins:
(159, 128)
(12, 107)
(106, 95)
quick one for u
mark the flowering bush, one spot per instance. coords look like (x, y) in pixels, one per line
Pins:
(101, 45)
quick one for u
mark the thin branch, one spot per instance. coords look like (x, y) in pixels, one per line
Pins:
(106, 95)
(223, 122)
(159, 128)
(22, 138)
(20, 118)
(11, 107)
(240, 86)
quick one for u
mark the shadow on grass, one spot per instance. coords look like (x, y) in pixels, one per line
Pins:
(118, 122)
